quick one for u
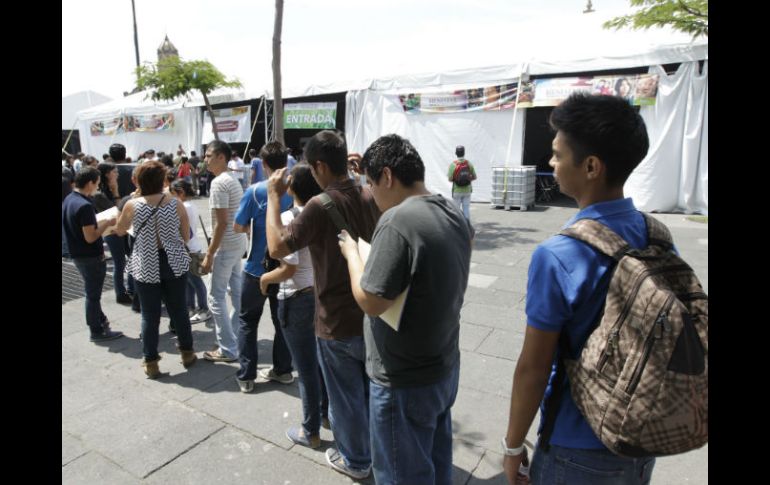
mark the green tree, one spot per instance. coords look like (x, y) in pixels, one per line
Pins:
(172, 77)
(689, 16)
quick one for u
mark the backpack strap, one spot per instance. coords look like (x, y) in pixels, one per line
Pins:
(599, 237)
(331, 209)
(553, 403)
(657, 233)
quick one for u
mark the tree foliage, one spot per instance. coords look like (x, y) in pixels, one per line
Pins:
(172, 77)
(689, 16)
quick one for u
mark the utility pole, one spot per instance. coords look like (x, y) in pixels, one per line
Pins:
(136, 34)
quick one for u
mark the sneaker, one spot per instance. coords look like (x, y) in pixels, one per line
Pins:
(326, 424)
(217, 356)
(106, 335)
(246, 386)
(124, 299)
(201, 316)
(336, 461)
(270, 375)
(296, 434)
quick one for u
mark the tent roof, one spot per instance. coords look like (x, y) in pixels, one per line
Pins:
(73, 103)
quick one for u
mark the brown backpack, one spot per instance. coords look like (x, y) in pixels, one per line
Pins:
(641, 380)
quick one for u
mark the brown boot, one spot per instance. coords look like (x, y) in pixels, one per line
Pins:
(188, 358)
(151, 368)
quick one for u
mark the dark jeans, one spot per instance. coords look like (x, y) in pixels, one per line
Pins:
(252, 304)
(93, 270)
(411, 431)
(571, 466)
(196, 288)
(117, 245)
(297, 314)
(342, 362)
(172, 291)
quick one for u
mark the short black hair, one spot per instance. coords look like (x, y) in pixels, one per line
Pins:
(86, 175)
(220, 147)
(167, 160)
(329, 147)
(182, 185)
(460, 151)
(605, 126)
(302, 182)
(192, 153)
(396, 153)
(274, 155)
(105, 156)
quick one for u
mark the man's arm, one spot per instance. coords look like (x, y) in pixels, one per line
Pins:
(92, 233)
(220, 224)
(529, 382)
(277, 235)
(370, 303)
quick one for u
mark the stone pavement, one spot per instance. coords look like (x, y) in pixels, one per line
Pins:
(194, 426)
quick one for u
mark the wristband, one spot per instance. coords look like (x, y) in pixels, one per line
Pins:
(511, 451)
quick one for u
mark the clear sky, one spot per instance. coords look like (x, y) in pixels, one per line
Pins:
(334, 40)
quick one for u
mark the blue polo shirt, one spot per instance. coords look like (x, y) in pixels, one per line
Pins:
(566, 289)
(253, 210)
(78, 211)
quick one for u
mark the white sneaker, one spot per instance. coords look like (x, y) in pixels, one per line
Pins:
(270, 375)
(201, 316)
(246, 386)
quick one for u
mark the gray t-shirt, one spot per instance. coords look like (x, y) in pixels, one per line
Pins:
(424, 242)
(226, 193)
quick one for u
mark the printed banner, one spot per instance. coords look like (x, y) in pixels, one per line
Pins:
(233, 125)
(310, 116)
(490, 98)
(136, 123)
(639, 90)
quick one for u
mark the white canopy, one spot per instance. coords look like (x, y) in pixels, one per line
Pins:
(70, 105)
(496, 138)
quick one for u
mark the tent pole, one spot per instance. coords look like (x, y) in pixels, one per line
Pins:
(524, 66)
(256, 118)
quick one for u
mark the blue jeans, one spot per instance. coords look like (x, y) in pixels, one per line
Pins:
(297, 315)
(196, 288)
(117, 245)
(464, 203)
(93, 270)
(411, 432)
(561, 466)
(172, 291)
(342, 363)
(226, 269)
(252, 305)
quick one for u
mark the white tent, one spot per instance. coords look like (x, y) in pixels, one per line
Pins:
(674, 176)
(70, 105)
(186, 129)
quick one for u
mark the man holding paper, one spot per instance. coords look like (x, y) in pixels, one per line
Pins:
(411, 288)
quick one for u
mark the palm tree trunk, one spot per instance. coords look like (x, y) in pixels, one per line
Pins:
(211, 115)
(277, 95)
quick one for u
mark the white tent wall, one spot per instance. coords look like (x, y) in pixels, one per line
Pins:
(484, 134)
(186, 131)
(668, 178)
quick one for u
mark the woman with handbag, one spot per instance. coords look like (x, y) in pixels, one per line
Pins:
(182, 190)
(159, 262)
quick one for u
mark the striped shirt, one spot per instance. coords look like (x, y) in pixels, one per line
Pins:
(226, 193)
(163, 225)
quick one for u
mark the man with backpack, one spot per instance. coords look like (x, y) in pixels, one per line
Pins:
(339, 320)
(461, 174)
(594, 317)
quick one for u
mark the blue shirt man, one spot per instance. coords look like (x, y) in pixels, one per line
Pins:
(250, 217)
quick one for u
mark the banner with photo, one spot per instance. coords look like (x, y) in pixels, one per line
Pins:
(136, 123)
(300, 116)
(639, 89)
(490, 98)
(233, 125)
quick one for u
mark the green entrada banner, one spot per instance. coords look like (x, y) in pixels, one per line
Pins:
(310, 116)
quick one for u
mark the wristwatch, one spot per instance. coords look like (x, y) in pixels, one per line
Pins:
(511, 451)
